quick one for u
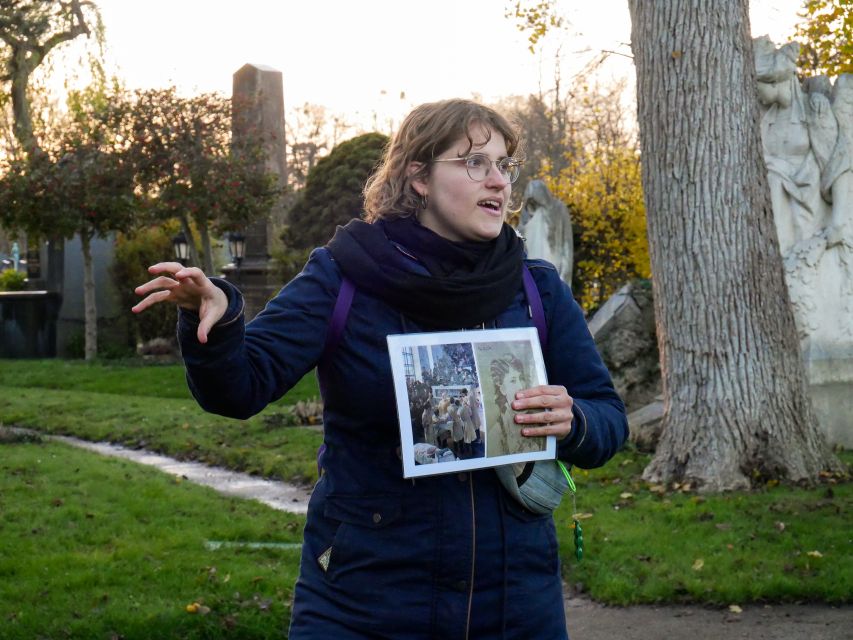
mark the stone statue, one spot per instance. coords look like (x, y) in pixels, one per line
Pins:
(547, 228)
(807, 136)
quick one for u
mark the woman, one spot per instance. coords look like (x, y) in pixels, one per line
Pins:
(448, 556)
(509, 377)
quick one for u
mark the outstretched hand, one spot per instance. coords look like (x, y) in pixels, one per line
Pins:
(555, 411)
(188, 288)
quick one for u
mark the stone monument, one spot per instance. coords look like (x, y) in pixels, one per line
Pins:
(547, 228)
(807, 136)
(258, 110)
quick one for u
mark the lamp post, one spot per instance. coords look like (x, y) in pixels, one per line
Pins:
(237, 248)
(182, 248)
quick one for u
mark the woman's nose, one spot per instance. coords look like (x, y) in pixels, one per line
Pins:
(495, 178)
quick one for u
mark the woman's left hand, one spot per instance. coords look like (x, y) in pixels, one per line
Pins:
(554, 405)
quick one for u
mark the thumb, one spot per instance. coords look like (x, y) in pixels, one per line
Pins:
(204, 326)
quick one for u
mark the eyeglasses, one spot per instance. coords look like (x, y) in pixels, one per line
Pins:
(478, 166)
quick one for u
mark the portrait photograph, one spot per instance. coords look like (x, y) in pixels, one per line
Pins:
(453, 392)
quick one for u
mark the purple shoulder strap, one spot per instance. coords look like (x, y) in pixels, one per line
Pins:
(339, 318)
(344, 301)
(536, 309)
(333, 337)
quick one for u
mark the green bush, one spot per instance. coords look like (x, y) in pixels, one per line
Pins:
(11, 280)
(333, 191)
(134, 253)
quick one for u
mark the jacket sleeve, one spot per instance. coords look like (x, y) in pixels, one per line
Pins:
(600, 426)
(243, 367)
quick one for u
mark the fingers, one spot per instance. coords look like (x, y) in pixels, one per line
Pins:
(205, 324)
(154, 298)
(543, 397)
(163, 282)
(551, 406)
(165, 267)
(547, 423)
(193, 274)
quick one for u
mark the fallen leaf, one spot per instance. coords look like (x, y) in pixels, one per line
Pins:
(582, 516)
(780, 526)
(698, 564)
(814, 554)
(626, 495)
(735, 609)
(723, 526)
(192, 607)
(657, 488)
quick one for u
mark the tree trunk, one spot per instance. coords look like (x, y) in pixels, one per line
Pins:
(736, 409)
(188, 233)
(204, 232)
(23, 122)
(90, 310)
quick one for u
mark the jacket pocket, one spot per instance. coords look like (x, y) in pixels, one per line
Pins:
(532, 539)
(368, 534)
(374, 512)
(518, 511)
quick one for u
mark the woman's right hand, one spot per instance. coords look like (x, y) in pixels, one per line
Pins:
(188, 288)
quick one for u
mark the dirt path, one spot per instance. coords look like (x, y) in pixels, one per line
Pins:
(588, 620)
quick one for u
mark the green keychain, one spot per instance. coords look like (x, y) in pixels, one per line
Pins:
(576, 525)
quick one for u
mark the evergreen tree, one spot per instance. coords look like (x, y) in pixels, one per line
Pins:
(333, 191)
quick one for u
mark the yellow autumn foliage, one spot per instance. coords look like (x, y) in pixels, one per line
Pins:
(602, 189)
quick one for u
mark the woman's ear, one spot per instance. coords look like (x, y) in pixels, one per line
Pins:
(419, 181)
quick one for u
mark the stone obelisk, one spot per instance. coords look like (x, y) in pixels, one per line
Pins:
(258, 110)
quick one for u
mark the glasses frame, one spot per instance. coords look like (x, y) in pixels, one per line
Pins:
(514, 163)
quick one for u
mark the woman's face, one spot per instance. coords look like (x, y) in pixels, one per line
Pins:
(460, 209)
(513, 383)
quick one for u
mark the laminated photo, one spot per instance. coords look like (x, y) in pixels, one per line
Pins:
(454, 391)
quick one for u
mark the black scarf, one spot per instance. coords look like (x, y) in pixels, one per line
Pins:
(469, 283)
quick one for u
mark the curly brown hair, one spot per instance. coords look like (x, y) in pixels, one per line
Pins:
(499, 369)
(427, 132)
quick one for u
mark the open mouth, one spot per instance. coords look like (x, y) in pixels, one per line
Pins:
(492, 205)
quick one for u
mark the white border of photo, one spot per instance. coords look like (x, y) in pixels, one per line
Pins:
(396, 344)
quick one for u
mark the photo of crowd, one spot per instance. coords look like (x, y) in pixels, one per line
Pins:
(445, 403)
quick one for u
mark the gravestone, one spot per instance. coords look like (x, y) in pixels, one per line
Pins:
(807, 136)
(258, 110)
(546, 228)
(624, 333)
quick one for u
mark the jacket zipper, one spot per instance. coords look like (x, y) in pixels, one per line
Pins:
(473, 554)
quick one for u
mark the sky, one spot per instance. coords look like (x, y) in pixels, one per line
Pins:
(372, 59)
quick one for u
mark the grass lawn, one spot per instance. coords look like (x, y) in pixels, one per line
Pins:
(643, 544)
(122, 377)
(150, 407)
(94, 547)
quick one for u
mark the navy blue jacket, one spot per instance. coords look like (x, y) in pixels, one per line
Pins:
(449, 556)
